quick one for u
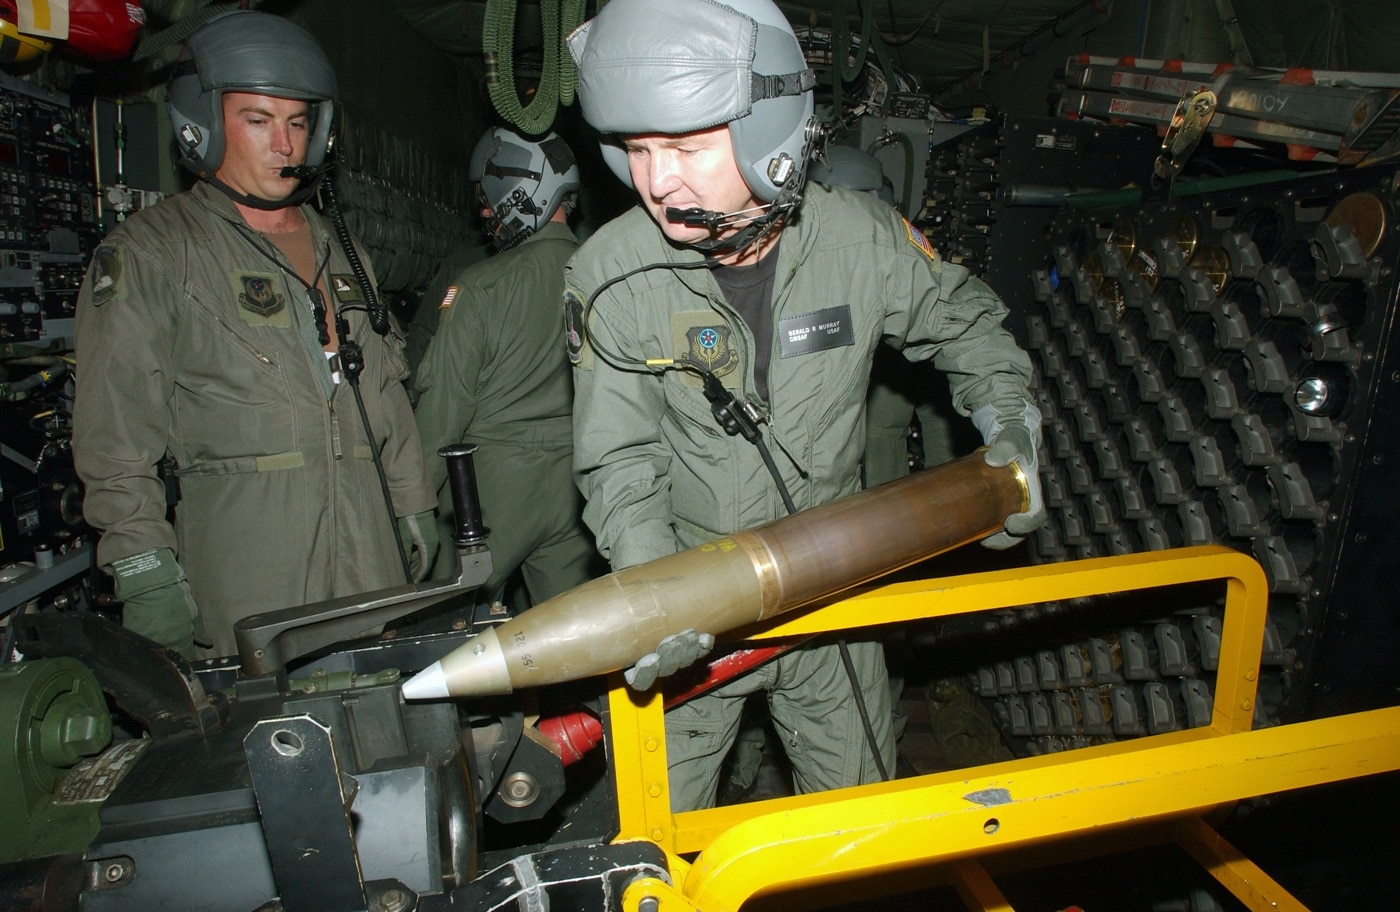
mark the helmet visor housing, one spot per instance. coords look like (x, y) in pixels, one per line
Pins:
(246, 51)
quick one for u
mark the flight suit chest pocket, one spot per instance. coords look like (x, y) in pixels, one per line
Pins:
(262, 299)
(233, 397)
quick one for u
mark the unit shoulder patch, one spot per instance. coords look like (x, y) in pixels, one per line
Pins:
(105, 275)
(576, 331)
(916, 237)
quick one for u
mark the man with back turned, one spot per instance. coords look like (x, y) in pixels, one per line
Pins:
(496, 376)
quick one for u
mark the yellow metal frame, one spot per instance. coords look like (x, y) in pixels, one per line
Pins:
(953, 827)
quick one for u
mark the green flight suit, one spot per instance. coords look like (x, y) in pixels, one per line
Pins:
(497, 375)
(900, 391)
(659, 475)
(424, 325)
(192, 342)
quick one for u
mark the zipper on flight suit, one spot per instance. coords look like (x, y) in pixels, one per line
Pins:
(335, 431)
(219, 318)
(745, 333)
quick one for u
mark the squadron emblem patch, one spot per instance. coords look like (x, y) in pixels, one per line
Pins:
(701, 340)
(916, 237)
(711, 348)
(259, 295)
(106, 274)
(575, 332)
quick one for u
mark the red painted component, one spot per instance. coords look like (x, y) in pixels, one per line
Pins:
(730, 666)
(576, 733)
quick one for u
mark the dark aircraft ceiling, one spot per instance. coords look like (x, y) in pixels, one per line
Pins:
(938, 42)
(943, 43)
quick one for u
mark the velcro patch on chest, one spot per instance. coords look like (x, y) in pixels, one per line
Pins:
(820, 330)
(261, 301)
(347, 290)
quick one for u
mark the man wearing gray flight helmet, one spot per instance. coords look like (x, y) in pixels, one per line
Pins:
(495, 374)
(736, 292)
(207, 340)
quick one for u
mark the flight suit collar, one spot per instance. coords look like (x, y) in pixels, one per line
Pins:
(551, 231)
(211, 198)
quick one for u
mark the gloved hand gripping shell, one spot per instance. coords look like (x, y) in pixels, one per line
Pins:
(1013, 435)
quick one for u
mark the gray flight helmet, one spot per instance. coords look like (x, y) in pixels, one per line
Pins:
(246, 51)
(523, 182)
(676, 66)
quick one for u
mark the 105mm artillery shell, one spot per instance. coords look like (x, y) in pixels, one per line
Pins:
(611, 622)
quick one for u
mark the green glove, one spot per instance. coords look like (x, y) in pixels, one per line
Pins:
(1014, 437)
(677, 651)
(419, 533)
(156, 600)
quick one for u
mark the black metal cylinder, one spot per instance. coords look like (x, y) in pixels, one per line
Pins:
(48, 884)
(461, 480)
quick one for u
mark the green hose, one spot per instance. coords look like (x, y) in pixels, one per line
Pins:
(558, 76)
(176, 34)
(841, 38)
(869, 41)
(908, 146)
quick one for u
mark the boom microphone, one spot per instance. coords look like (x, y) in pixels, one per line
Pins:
(710, 219)
(694, 218)
(300, 172)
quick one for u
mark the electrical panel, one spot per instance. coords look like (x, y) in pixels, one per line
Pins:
(992, 190)
(49, 225)
(48, 211)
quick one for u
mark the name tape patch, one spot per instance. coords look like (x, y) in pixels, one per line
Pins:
(817, 331)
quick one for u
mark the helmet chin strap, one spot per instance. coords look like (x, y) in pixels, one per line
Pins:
(310, 179)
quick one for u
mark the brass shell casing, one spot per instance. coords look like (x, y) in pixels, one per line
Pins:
(610, 622)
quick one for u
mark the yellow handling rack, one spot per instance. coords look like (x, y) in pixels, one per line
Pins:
(958, 827)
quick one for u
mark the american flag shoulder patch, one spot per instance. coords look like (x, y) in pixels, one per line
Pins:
(916, 237)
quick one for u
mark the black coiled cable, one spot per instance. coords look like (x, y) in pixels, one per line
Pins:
(378, 314)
